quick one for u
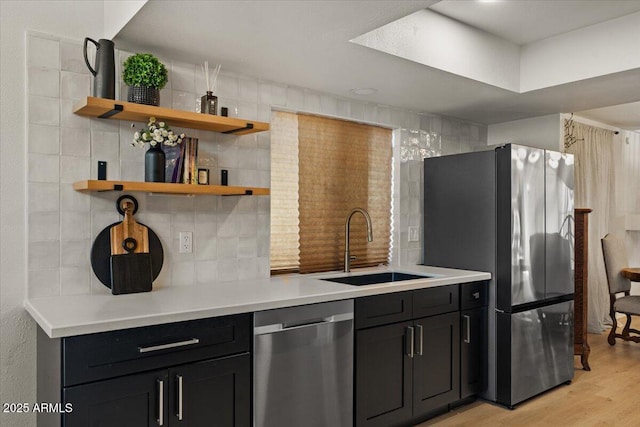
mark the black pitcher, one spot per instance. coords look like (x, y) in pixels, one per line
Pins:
(104, 76)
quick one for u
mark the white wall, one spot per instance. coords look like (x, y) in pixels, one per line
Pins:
(117, 13)
(541, 132)
(75, 19)
(604, 48)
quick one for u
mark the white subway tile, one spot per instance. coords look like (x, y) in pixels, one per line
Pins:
(44, 254)
(74, 226)
(227, 247)
(44, 82)
(44, 139)
(75, 281)
(228, 158)
(131, 170)
(182, 273)
(102, 220)
(371, 112)
(263, 242)
(312, 102)
(183, 77)
(205, 247)
(72, 58)
(75, 253)
(43, 283)
(44, 168)
(247, 225)
(247, 268)
(105, 145)
(248, 89)
(44, 226)
(228, 269)
(278, 95)
(43, 52)
(264, 93)
(328, 105)
(247, 247)
(227, 225)
(74, 86)
(206, 272)
(295, 98)
(181, 100)
(70, 120)
(264, 268)
(344, 108)
(44, 111)
(227, 86)
(75, 142)
(74, 169)
(44, 197)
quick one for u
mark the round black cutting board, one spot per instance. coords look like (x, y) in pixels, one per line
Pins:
(101, 254)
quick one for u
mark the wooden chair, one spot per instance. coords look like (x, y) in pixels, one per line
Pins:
(615, 259)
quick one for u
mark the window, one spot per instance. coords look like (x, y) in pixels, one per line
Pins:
(321, 168)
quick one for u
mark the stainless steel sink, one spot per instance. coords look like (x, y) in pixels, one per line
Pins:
(372, 279)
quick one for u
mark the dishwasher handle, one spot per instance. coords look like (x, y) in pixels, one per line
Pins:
(284, 327)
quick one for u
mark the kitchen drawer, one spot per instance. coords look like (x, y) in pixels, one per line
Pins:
(432, 301)
(104, 355)
(473, 295)
(383, 309)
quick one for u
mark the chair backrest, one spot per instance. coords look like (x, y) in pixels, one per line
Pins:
(615, 259)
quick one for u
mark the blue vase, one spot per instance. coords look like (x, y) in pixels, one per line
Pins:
(154, 164)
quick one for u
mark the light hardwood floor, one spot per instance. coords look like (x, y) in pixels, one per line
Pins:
(608, 395)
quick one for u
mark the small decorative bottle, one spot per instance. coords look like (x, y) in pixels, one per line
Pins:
(209, 103)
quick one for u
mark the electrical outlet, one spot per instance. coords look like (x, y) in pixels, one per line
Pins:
(414, 234)
(186, 242)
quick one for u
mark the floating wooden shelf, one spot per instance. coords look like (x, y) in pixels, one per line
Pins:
(121, 110)
(167, 188)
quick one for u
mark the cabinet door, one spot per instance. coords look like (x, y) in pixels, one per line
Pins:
(130, 401)
(473, 351)
(436, 378)
(214, 392)
(383, 376)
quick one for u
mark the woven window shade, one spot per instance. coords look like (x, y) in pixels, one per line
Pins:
(342, 165)
(284, 192)
(321, 169)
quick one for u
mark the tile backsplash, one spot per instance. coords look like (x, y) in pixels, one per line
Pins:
(231, 234)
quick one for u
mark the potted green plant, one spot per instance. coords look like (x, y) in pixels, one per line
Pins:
(145, 75)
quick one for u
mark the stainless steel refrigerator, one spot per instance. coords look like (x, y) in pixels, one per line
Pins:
(509, 211)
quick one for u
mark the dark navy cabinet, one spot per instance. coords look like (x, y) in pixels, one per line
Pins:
(417, 353)
(184, 373)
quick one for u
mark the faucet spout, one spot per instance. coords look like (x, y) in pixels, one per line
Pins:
(347, 255)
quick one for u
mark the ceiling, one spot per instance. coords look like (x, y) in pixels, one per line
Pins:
(307, 44)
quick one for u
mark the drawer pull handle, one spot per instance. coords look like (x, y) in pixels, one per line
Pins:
(160, 402)
(409, 341)
(179, 414)
(467, 321)
(166, 346)
(419, 339)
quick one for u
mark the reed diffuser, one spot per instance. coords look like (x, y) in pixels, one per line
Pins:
(209, 102)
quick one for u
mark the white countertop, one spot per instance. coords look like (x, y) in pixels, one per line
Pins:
(64, 316)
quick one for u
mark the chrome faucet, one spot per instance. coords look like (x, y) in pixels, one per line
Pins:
(347, 255)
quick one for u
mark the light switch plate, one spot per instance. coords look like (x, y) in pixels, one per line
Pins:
(414, 234)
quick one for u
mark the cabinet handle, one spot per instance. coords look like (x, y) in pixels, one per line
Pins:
(409, 341)
(166, 346)
(419, 339)
(160, 402)
(179, 414)
(467, 321)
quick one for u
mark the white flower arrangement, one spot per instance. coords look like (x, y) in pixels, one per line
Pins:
(156, 133)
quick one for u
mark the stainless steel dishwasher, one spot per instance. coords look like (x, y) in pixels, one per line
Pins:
(303, 366)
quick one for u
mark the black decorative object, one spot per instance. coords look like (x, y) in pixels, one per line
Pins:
(224, 177)
(224, 112)
(104, 75)
(154, 164)
(209, 103)
(144, 95)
